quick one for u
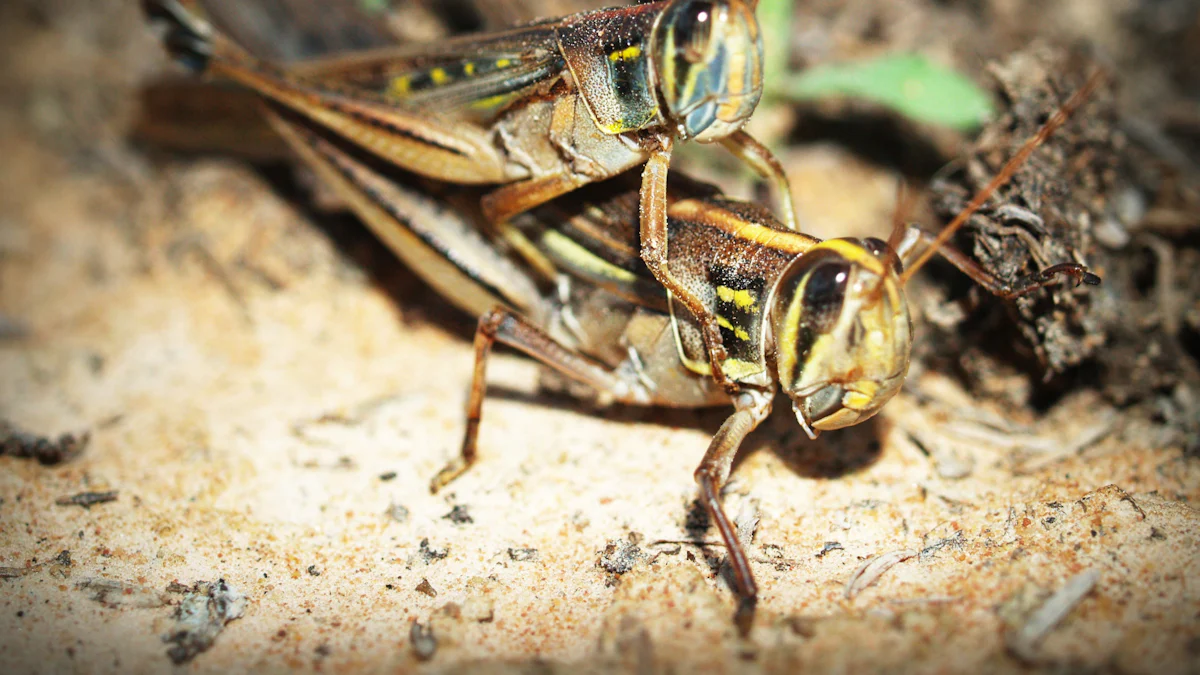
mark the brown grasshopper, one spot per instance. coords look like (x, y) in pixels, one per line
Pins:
(540, 110)
(825, 321)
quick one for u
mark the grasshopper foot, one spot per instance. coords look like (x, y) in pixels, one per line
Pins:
(1037, 280)
(447, 475)
(743, 618)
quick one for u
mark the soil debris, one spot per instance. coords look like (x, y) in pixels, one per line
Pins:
(201, 616)
(421, 638)
(1043, 215)
(430, 554)
(119, 594)
(829, 547)
(954, 541)
(1023, 642)
(397, 512)
(459, 515)
(523, 554)
(61, 562)
(620, 556)
(47, 451)
(88, 499)
(426, 588)
(871, 570)
(478, 605)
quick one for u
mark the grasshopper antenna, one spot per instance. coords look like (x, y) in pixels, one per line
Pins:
(1006, 173)
(904, 204)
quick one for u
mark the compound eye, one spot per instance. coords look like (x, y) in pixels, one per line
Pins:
(824, 295)
(880, 250)
(694, 29)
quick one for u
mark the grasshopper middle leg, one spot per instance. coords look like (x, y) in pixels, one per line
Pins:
(507, 327)
(751, 407)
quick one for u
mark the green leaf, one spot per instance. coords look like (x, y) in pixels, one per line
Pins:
(910, 84)
(374, 6)
(775, 22)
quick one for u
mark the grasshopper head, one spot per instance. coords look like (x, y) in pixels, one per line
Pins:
(708, 56)
(842, 332)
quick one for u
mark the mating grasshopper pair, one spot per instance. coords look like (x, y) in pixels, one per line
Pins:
(739, 306)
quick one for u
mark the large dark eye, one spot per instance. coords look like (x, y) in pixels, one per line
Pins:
(824, 294)
(693, 30)
(879, 249)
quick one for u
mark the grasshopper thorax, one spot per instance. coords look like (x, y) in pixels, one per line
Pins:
(842, 332)
(708, 56)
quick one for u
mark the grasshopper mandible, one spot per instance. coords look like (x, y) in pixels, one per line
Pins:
(540, 110)
(825, 321)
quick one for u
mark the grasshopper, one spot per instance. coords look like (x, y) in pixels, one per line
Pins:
(826, 322)
(539, 110)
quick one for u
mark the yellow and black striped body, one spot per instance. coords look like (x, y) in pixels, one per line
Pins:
(826, 320)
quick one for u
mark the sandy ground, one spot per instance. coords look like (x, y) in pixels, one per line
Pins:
(270, 414)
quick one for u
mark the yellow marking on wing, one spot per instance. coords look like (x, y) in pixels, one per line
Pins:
(627, 54)
(503, 63)
(738, 331)
(469, 68)
(400, 86)
(571, 251)
(491, 101)
(742, 299)
(439, 76)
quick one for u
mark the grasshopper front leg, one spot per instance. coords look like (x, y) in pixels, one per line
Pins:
(654, 226)
(752, 407)
(756, 155)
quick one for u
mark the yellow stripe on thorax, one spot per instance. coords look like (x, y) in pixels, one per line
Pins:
(699, 211)
(742, 299)
(627, 54)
